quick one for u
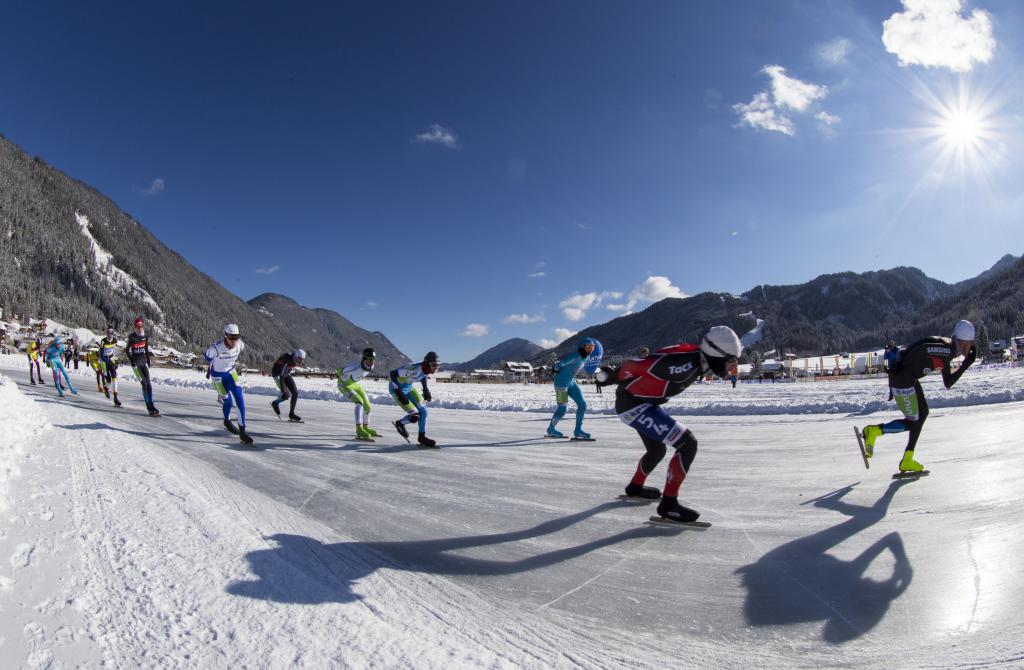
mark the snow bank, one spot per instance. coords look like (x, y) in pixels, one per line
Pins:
(22, 423)
(982, 386)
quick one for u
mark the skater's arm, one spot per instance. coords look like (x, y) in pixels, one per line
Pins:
(950, 378)
(426, 391)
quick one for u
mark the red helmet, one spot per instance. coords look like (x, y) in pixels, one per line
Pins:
(139, 323)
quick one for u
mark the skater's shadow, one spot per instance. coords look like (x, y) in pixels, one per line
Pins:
(801, 582)
(303, 570)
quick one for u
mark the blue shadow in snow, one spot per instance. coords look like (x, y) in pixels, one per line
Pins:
(800, 581)
(304, 570)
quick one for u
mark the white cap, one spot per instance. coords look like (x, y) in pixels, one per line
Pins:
(299, 353)
(964, 331)
(721, 342)
(231, 329)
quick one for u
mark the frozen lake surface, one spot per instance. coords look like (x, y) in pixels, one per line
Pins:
(138, 542)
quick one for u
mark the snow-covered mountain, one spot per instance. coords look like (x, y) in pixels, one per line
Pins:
(845, 311)
(68, 252)
(515, 349)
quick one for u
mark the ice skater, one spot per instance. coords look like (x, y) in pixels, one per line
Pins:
(906, 369)
(222, 356)
(54, 354)
(108, 364)
(409, 399)
(139, 355)
(348, 384)
(645, 385)
(281, 372)
(566, 387)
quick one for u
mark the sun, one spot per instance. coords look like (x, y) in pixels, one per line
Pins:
(962, 129)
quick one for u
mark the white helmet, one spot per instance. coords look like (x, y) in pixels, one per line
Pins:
(299, 355)
(231, 329)
(719, 345)
(964, 331)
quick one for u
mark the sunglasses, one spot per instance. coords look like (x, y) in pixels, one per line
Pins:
(232, 337)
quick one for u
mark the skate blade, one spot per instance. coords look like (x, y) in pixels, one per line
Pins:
(365, 439)
(684, 524)
(863, 450)
(910, 475)
(555, 437)
(583, 439)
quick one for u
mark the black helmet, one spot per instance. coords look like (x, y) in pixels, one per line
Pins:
(368, 352)
(431, 357)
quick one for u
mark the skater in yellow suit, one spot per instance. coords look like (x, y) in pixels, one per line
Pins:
(348, 384)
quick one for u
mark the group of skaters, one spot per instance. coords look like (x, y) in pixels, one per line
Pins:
(643, 386)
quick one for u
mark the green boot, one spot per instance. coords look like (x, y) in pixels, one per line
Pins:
(370, 431)
(908, 464)
(870, 434)
(361, 432)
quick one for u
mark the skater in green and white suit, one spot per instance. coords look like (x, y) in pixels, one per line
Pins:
(348, 384)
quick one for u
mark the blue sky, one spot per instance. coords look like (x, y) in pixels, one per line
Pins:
(458, 173)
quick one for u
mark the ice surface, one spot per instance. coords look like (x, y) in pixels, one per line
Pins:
(504, 549)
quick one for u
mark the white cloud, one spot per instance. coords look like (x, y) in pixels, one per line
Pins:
(438, 134)
(833, 53)
(476, 330)
(370, 305)
(156, 188)
(268, 271)
(765, 110)
(653, 289)
(537, 275)
(827, 118)
(791, 92)
(759, 113)
(575, 307)
(932, 33)
(523, 318)
(616, 307)
(564, 334)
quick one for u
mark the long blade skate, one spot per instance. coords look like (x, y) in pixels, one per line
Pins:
(860, 443)
(909, 474)
(685, 524)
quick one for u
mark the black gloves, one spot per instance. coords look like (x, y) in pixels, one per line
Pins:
(426, 395)
(402, 400)
(971, 355)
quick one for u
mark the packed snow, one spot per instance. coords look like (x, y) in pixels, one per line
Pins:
(131, 541)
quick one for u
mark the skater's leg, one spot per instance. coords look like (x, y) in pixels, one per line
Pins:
(581, 405)
(562, 400)
(922, 414)
(292, 391)
(679, 464)
(282, 391)
(417, 401)
(220, 385)
(649, 461)
(236, 391)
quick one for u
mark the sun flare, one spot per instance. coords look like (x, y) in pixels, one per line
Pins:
(962, 129)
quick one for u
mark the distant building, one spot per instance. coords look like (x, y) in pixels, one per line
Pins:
(518, 372)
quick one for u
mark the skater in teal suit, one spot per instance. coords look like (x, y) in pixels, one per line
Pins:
(566, 387)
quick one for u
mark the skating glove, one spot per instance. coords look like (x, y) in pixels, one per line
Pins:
(607, 375)
(426, 395)
(402, 400)
(971, 355)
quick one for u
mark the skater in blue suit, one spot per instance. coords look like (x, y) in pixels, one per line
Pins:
(54, 354)
(566, 387)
